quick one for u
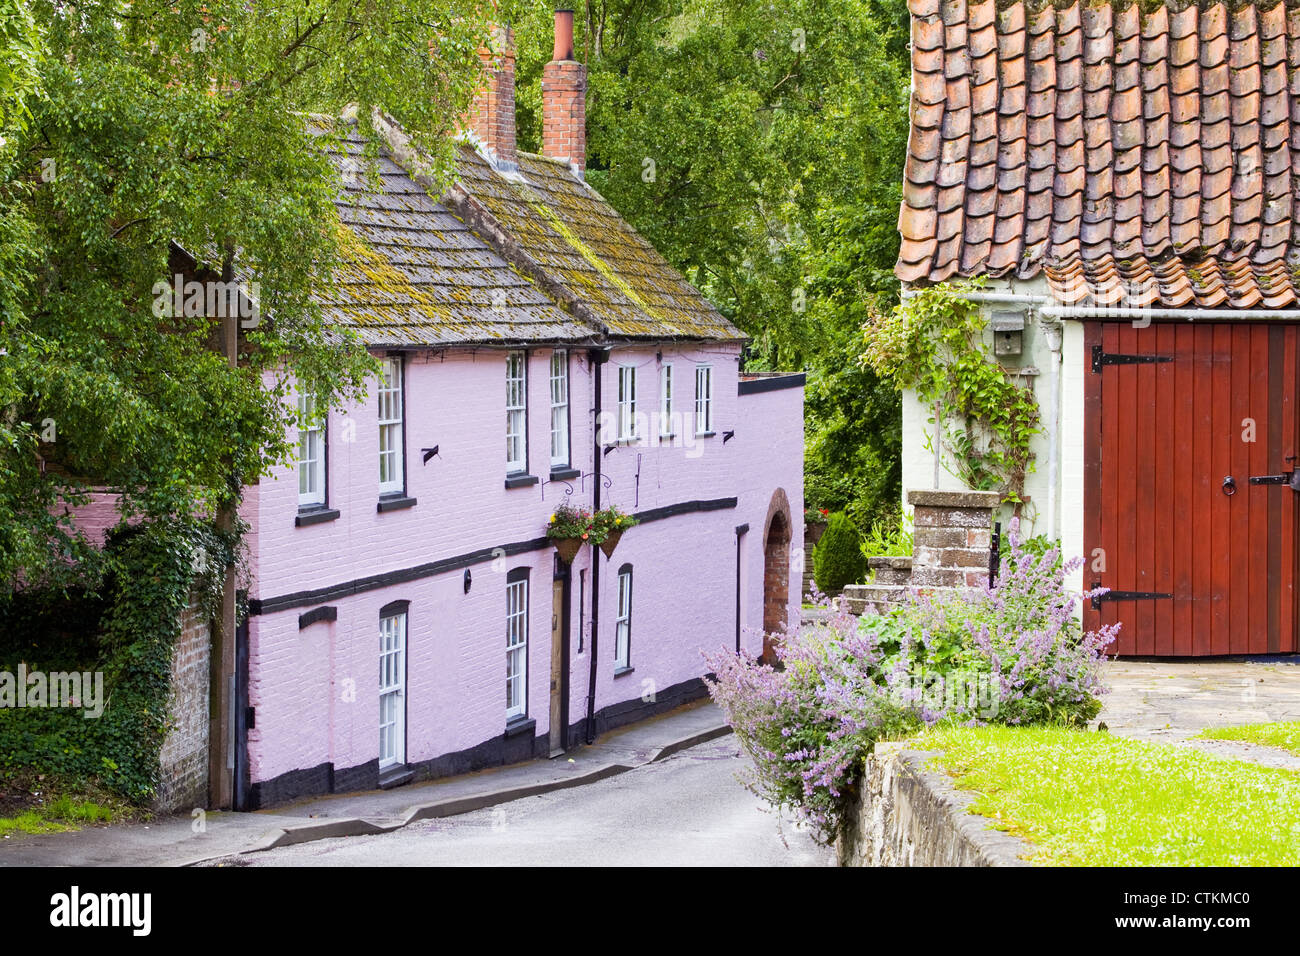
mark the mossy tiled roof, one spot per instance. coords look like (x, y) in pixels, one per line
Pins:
(416, 273)
(587, 247)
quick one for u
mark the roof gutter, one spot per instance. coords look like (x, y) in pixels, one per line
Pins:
(1102, 312)
(1048, 305)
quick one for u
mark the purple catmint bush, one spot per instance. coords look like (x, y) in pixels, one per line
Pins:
(1012, 653)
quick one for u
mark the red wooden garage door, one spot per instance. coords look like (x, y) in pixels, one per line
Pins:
(1172, 411)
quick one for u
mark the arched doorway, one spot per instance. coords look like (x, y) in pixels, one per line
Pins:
(776, 574)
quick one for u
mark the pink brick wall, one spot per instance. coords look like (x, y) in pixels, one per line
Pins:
(684, 566)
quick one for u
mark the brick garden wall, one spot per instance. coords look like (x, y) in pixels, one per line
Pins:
(184, 754)
(952, 536)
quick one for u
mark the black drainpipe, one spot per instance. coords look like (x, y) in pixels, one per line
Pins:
(599, 357)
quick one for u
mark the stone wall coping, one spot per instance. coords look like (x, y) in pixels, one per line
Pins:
(890, 561)
(925, 497)
(926, 798)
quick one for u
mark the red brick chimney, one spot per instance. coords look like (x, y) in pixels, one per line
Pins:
(492, 115)
(564, 98)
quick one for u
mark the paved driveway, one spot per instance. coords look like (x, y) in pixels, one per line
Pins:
(1170, 702)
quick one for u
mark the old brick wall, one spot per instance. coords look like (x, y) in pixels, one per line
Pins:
(952, 536)
(183, 758)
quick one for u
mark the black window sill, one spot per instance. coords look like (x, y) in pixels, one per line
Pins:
(310, 516)
(520, 481)
(395, 503)
(564, 473)
(623, 671)
(520, 725)
(705, 434)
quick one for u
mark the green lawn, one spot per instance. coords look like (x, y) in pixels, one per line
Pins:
(1094, 799)
(61, 813)
(1283, 735)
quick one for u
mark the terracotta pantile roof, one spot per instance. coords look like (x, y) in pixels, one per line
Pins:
(1133, 155)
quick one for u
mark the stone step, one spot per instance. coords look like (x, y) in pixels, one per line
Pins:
(896, 570)
(858, 597)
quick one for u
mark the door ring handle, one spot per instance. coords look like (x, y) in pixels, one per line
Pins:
(1229, 486)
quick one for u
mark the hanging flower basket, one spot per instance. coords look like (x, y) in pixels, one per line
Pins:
(610, 523)
(569, 528)
(568, 548)
(610, 543)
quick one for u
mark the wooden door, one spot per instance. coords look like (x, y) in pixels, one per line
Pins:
(1178, 418)
(559, 685)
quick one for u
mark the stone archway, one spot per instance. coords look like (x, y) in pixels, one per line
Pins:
(776, 573)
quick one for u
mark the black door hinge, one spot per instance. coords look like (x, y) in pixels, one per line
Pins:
(250, 717)
(1101, 359)
(1124, 596)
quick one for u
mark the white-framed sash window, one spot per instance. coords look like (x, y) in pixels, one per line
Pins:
(516, 645)
(311, 453)
(392, 689)
(626, 402)
(516, 412)
(559, 408)
(623, 623)
(666, 428)
(392, 473)
(703, 399)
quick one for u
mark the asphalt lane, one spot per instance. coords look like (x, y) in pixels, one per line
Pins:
(688, 810)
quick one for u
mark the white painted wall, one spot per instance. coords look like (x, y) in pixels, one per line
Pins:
(1063, 371)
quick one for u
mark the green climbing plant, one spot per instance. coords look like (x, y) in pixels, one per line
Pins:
(933, 342)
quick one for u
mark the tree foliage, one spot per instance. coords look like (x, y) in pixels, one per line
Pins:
(760, 148)
(128, 127)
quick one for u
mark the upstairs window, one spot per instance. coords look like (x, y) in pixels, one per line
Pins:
(666, 429)
(626, 402)
(516, 412)
(311, 453)
(703, 399)
(392, 474)
(559, 408)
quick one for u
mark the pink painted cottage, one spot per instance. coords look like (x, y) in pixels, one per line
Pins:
(407, 617)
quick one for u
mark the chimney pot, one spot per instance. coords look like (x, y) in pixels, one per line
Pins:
(564, 99)
(563, 35)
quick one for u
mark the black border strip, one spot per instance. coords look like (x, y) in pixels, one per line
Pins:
(752, 386)
(372, 582)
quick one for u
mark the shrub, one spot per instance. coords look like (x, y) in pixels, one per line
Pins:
(1009, 654)
(890, 538)
(838, 558)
